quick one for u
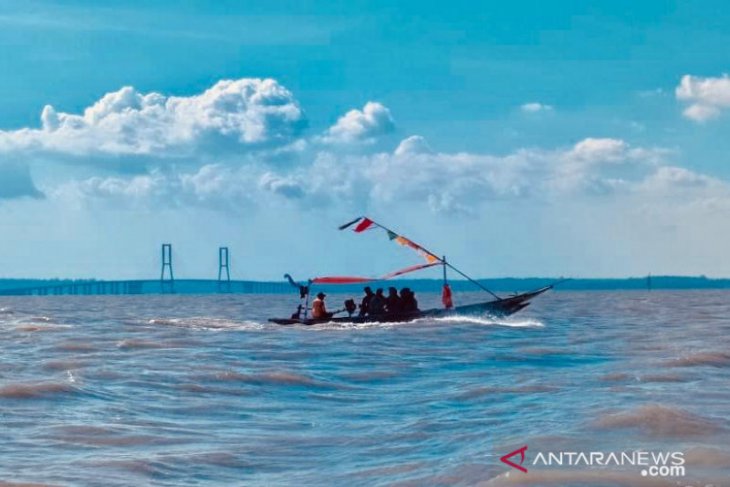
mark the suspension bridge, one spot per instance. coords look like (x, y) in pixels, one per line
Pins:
(166, 284)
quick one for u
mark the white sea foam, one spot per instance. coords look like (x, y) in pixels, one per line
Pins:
(206, 323)
(485, 321)
(349, 325)
(46, 319)
(509, 322)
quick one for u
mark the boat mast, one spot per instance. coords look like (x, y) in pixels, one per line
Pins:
(446, 264)
(443, 259)
(470, 279)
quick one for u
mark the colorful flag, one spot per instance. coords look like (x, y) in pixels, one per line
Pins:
(363, 225)
(356, 280)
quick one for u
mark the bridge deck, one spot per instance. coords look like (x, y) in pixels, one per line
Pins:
(179, 286)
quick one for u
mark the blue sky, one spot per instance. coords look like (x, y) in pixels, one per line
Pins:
(521, 138)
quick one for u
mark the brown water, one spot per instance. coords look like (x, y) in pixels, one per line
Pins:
(171, 390)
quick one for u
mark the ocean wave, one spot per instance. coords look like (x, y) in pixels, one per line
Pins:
(36, 327)
(136, 343)
(662, 378)
(492, 390)
(64, 364)
(35, 390)
(431, 402)
(712, 359)
(280, 378)
(44, 319)
(616, 377)
(24, 484)
(707, 457)
(77, 346)
(273, 377)
(208, 324)
(624, 377)
(95, 436)
(661, 421)
(582, 478)
(541, 351)
(371, 375)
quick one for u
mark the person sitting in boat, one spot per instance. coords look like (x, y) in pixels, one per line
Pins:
(319, 310)
(298, 313)
(365, 303)
(409, 304)
(393, 302)
(350, 307)
(377, 303)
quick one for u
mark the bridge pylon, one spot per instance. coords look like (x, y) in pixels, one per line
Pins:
(167, 284)
(224, 282)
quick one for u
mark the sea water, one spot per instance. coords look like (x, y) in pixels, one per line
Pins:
(201, 390)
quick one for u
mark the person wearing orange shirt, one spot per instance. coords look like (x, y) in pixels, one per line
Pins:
(319, 309)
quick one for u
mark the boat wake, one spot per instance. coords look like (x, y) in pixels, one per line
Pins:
(350, 325)
(220, 324)
(475, 320)
(207, 324)
(487, 321)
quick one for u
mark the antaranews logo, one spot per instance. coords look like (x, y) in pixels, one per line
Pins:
(653, 464)
(521, 453)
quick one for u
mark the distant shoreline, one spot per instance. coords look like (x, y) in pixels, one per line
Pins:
(199, 286)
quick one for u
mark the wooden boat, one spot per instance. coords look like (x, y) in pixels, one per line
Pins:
(497, 307)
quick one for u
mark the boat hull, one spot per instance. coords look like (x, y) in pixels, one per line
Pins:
(497, 308)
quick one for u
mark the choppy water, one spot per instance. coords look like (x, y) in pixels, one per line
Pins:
(171, 390)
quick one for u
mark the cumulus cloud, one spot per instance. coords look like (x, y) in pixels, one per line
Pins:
(535, 107)
(673, 178)
(415, 144)
(602, 165)
(707, 97)
(285, 186)
(212, 186)
(415, 175)
(16, 182)
(593, 150)
(361, 126)
(459, 182)
(243, 113)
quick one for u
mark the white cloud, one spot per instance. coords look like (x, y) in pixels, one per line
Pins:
(458, 182)
(212, 186)
(670, 179)
(238, 114)
(415, 144)
(534, 107)
(707, 97)
(594, 187)
(361, 126)
(701, 113)
(285, 186)
(593, 150)
(414, 177)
